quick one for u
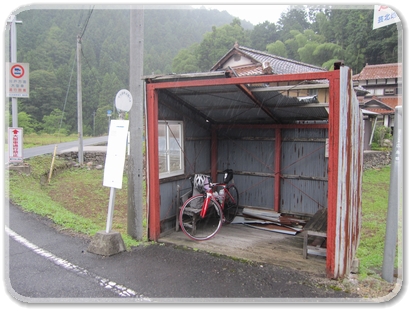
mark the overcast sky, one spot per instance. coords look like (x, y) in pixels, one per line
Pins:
(256, 12)
(253, 13)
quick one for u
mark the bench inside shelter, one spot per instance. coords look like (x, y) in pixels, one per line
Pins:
(316, 226)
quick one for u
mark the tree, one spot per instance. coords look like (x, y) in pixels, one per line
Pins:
(186, 60)
(53, 123)
(327, 52)
(262, 35)
(321, 24)
(277, 48)
(382, 45)
(102, 120)
(45, 95)
(27, 122)
(295, 18)
(217, 42)
(109, 89)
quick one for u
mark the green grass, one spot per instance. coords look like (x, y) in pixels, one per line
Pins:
(31, 192)
(374, 212)
(27, 191)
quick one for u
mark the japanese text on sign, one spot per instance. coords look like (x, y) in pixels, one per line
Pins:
(15, 143)
(384, 16)
(17, 80)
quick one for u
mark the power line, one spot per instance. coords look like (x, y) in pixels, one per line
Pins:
(65, 101)
(85, 25)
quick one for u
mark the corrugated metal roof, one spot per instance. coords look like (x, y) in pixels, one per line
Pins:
(249, 103)
(230, 104)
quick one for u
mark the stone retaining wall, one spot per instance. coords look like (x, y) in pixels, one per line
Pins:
(376, 159)
(96, 158)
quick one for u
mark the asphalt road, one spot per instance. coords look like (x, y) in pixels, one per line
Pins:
(46, 264)
(36, 151)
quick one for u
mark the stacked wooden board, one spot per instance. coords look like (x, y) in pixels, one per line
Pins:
(270, 221)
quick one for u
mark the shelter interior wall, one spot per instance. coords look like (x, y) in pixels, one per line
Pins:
(197, 144)
(250, 152)
(304, 171)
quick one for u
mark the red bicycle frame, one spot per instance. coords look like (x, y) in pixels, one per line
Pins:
(210, 196)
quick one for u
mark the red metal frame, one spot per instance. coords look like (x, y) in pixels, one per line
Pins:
(277, 168)
(333, 127)
(333, 134)
(214, 153)
(153, 189)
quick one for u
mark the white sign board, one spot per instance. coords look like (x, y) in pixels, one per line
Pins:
(116, 154)
(15, 143)
(17, 80)
(384, 16)
(124, 100)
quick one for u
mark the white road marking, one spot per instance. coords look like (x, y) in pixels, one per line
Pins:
(103, 282)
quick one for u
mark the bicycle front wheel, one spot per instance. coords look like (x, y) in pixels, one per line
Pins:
(196, 227)
(231, 204)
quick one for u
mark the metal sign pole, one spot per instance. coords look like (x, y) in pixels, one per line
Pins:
(394, 214)
(110, 213)
(13, 40)
(117, 143)
(110, 242)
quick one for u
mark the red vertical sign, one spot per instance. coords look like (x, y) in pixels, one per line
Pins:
(15, 142)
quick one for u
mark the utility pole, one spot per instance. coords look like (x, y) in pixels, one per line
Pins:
(79, 104)
(393, 235)
(136, 159)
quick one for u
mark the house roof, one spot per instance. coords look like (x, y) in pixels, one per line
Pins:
(384, 105)
(382, 71)
(263, 63)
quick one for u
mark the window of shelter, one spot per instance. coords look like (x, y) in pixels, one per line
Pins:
(170, 148)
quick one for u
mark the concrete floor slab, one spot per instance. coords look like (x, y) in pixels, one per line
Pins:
(242, 242)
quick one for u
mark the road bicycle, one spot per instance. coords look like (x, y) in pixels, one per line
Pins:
(203, 214)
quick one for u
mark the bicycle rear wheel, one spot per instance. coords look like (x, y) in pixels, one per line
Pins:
(231, 204)
(196, 227)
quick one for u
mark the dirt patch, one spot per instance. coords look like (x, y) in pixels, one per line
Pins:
(86, 196)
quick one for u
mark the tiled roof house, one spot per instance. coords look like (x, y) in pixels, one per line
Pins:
(383, 84)
(377, 86)
(244, 61)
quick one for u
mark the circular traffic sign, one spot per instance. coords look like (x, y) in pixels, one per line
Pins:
(124, 100)
(17, 71)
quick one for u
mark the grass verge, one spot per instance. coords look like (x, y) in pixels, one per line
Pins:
(75, 199)
(376, 185)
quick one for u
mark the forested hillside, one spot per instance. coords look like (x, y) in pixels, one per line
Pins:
(175, 40)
